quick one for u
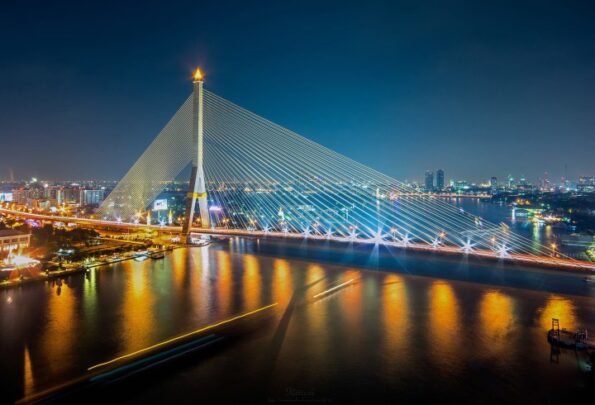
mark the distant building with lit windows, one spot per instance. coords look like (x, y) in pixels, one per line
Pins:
(440, 180)
(494, 185)
(91, 197)
(11, 240)
(586, 184)
(429, 183)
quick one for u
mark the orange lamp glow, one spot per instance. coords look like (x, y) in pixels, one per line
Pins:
(198, 76)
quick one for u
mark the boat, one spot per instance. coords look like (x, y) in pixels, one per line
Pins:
(157, 255)
(141, 256)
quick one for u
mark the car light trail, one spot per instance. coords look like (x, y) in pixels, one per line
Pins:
(185, 335)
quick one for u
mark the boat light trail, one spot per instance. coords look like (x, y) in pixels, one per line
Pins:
(185, 335)
(330, 290)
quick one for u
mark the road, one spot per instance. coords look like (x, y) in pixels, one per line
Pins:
(551, 262)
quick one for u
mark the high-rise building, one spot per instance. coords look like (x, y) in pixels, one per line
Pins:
(59, 195)
(440, 180)
(429, 183)
(586, 184)
(71, 195)
(20, 195)
(91, 197)
(494, 185)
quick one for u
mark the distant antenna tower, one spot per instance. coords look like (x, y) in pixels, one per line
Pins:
(565, 171)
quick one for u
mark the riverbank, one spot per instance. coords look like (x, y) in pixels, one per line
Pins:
(80, 268)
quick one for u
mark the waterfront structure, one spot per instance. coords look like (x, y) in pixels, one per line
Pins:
(11, 240)
(197, 190)
(440, 180)
(429, 180)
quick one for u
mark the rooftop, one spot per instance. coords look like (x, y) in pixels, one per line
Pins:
(10, 232)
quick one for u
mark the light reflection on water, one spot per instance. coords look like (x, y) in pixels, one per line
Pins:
(252, 282)
(444, 325)
(561, 308)
(137, 314)
(538, 234)
(498, 323)
(59, 332)
(395, 321)
(386, 328)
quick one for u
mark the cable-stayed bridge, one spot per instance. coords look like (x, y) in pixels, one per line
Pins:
(251, 176)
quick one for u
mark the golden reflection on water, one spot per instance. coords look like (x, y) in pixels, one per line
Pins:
(316, 314)
(315, 273)
(352, 299)
(224, 281)
(548, 232)
(497, 321)
(196, 282)
(282, 282)
(178, 267)
(560, 308)
(90, 310)
(395, 315)
(59, 334)
(89, 293)
(444, 318)
(28, 379)
(137, 307)
(252, 282)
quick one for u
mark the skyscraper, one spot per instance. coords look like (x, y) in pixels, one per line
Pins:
(494, 185)
(429, 180)
(440, 179)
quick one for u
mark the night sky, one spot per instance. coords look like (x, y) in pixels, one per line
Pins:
(473, 88)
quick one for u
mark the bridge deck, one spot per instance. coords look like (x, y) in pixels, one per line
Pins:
(551, 262)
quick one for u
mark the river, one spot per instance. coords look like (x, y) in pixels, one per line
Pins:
(412, 325)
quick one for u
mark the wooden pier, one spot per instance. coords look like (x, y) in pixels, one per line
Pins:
(578, 339)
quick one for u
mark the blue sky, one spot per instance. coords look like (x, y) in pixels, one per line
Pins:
(475, 89)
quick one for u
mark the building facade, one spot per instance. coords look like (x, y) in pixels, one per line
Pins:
(429, 181)
(11, 240)
(91, 197)
(440, 180)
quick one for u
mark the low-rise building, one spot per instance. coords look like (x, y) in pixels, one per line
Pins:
(13, 240)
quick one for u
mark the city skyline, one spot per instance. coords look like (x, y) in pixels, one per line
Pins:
(505, 110)
(289, 202)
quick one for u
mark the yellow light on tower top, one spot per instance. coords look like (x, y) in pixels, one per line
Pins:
(198, 76)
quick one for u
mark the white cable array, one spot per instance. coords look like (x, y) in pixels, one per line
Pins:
(263, 177)
(168, 154)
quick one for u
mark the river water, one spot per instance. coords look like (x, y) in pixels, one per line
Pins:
(414, 326)
(539, 234)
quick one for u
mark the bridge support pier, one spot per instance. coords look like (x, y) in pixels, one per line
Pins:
(197, 190)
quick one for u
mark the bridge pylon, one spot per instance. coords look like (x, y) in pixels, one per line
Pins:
(197, 190)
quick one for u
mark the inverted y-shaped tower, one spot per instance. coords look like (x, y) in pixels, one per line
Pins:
(197, 189)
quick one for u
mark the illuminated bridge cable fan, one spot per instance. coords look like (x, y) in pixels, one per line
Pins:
(168, 154)
(265, 178)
